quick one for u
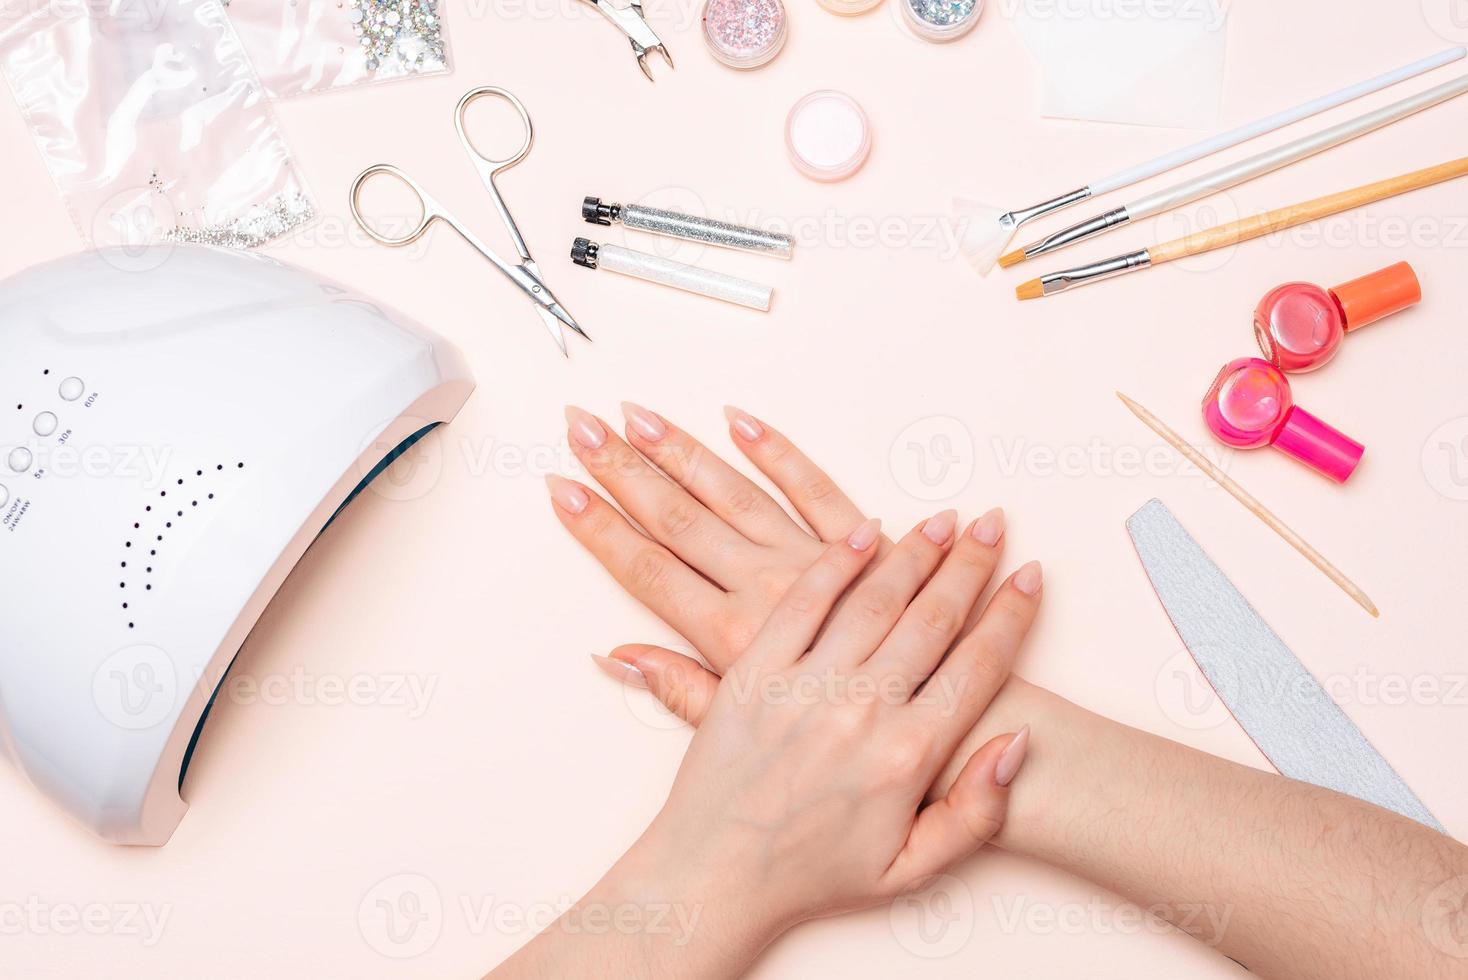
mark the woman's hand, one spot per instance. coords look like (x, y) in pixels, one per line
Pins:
(802, 792)
(813, 755)
(718, 552)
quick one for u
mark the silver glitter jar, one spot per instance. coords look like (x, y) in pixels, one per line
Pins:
(941, 20)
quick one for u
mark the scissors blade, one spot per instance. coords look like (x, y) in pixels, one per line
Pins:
(542, 295)
(554, 328)
(559, 312)
(525, 275)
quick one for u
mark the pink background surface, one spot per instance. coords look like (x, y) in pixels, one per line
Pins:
(917, 383)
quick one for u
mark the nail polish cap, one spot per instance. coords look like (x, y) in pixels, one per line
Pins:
(1378, 295)
(1321, 447)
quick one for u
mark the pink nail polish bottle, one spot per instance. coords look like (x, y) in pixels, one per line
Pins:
(1250, 405)
(1300, 326)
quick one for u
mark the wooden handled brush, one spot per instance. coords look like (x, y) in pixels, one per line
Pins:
(1239, 172)
(1244, 230)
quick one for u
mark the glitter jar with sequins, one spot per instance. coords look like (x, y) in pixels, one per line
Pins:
(745, 33)
(941, 20)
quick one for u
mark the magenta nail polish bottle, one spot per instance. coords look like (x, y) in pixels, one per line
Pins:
(1300, 326)
(1250, 405)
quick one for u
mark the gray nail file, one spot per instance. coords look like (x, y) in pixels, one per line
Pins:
(1279, 704)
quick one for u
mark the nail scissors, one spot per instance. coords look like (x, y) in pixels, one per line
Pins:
(525, 274)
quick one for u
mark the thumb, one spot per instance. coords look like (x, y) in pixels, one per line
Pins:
(963, 821)
(684, 686)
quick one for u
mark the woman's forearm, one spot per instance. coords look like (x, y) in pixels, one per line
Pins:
(651, 917)
(1289, 879)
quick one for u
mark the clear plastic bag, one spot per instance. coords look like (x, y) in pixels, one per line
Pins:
(152, 121)
(301, 46)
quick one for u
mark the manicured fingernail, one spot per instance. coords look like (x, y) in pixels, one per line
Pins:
(1028, 578)
(1012, 757)
(990, 528)
(865, 536)
(643, 422)
(622, 671)
(747, 426)
(939, 527)
(586, 428)
(567, 495)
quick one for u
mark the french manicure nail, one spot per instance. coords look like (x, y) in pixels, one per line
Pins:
(586, 428)
(1028, 578)
(621, 670)
(865, 536)
(644, 423)
(1012, 757)
(990, 528)
(939, 527)
(567, 495)
(747, 426)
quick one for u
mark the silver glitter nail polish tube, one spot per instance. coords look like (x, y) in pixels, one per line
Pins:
(655, 268)
(692, 228)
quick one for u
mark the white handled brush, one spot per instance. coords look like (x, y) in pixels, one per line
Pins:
(1241, 172)
(1244, 230)
(987, 231)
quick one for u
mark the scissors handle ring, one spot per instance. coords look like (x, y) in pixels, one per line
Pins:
(429, 213)
(493, 91)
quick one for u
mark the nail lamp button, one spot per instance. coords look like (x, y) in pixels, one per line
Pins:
(71, 389)
(45, 424)
(827, 136)
(20, 459)
(4, 495)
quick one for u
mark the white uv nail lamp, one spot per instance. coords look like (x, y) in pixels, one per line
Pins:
(178, 426)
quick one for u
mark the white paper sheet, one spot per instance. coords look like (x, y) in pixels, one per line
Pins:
(1143, 62)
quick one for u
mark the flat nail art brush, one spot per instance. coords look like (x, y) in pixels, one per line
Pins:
(1241, 172)
(1242, 231)
(987, 231)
